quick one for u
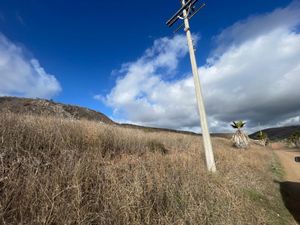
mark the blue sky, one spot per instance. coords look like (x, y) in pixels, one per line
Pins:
(87, 53)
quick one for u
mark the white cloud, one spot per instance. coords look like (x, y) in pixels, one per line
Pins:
(142, 96)
(290, 121)
(262, 74)
(252, 74)
(22, 76)
(255, 26)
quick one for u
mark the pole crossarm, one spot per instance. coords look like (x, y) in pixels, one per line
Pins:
(188, 5)
(185, 14)
(194, 12)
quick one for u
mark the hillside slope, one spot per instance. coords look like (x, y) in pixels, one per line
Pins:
(49, 108)
(61, 171)
(278, 133)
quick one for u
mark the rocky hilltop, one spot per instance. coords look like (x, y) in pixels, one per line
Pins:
(50, 108)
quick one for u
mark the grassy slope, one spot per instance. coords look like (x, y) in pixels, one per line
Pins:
(44, 107)
(58, 171)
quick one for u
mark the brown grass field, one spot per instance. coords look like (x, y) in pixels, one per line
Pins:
(61, 171)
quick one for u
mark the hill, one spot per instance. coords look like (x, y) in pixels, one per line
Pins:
(62, 171)
(44, 107)
(49, 108)
(278, 133)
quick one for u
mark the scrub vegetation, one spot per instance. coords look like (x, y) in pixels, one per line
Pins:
(64, 171)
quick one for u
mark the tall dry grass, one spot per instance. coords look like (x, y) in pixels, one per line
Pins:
(57, 171)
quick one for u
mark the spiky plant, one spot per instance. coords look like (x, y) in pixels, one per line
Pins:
(263, 138)
(238, 124)
(239, 138)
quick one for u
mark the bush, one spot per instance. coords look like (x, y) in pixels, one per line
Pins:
(294, 138)
(262, 136)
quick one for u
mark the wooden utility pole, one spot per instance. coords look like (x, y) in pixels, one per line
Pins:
(186, 12)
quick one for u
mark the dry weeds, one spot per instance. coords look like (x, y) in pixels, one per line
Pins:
(58, 171)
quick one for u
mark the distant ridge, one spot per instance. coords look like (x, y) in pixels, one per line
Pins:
(278, 133)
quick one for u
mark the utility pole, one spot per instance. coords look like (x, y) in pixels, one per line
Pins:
(185, 13)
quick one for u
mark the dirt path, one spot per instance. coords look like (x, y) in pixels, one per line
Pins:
(290, 187)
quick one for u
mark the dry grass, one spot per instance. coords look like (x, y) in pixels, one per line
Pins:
(58, 171)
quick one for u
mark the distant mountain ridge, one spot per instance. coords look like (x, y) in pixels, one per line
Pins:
(49, 108)
(278, 133)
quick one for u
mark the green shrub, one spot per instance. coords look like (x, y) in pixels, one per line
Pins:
(294, 138)
(262, 136)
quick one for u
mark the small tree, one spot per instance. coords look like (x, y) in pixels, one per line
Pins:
(294, 139)
(239, 138)
(263, 138)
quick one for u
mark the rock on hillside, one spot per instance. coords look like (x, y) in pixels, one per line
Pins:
(50, 108)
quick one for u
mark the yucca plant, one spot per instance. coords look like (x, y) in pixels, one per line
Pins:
(239, 138)
(238, 124)
(263, 138)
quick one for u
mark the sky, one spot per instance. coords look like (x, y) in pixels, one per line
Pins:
(120, 58)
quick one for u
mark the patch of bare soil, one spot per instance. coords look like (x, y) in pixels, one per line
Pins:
(290, 187)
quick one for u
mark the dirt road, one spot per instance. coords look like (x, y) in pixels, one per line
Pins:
(290, 187)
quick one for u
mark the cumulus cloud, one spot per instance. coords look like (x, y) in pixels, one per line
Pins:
(23, 76)
(252, 74)
(144, 96)
(254, 26)
(257, 76)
